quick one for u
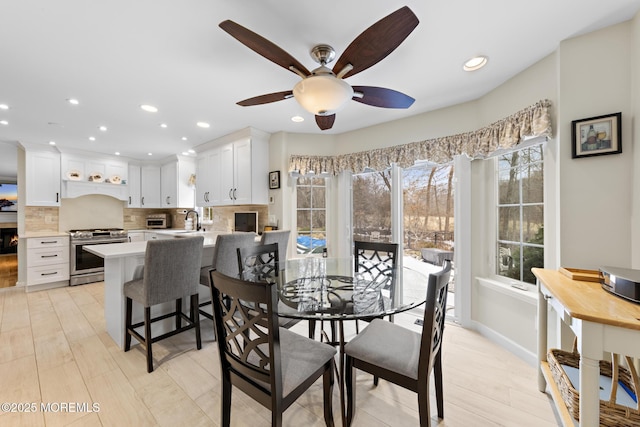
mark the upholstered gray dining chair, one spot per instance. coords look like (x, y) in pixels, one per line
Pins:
(225, 260)
(281, 237)
(401, 356)
(270, 364)
(171, 272)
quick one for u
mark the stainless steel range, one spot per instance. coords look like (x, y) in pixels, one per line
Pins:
(85, 266)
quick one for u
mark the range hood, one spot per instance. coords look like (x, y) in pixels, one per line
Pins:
(72, 189)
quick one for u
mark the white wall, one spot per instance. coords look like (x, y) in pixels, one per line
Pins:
(592, 208)
(596, 192)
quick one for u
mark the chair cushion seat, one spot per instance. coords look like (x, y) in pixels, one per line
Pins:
(299, 358)
(397, 349)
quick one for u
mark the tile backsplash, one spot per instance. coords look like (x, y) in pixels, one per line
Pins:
(219, 218)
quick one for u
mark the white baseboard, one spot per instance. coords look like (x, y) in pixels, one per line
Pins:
(502, 341)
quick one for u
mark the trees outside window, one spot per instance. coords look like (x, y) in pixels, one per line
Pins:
(520, 214)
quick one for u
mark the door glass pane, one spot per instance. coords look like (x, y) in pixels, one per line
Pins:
(372, 206)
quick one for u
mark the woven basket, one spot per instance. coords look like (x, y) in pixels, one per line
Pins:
(611, 413)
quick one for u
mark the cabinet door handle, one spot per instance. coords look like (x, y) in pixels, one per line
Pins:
(57, 197)
(168, 198)
(48, 242)
(129, 199)
(142, 200)
(49, 274)
(230, 196)
(234, 194)
(48, 256)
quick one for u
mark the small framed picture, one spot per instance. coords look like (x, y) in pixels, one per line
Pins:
(596, 136)
(274, 180)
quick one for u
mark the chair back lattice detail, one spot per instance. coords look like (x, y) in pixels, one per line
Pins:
(434, 316)
(376, 261)
(259, 263)
(281, 237)
(245, 327)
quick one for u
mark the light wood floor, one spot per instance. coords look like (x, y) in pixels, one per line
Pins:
(54, 349)
(8, 270)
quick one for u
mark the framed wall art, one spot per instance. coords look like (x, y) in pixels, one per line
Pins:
(274, 180)
(596, 136)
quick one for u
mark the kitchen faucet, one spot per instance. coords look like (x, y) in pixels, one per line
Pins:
(197, 218)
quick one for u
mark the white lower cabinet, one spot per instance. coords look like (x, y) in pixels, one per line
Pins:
(136, 236)
(47, 261)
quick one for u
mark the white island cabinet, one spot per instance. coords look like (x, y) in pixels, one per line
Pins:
(122, 261)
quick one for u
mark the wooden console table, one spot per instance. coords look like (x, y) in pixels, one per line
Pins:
(601, 321)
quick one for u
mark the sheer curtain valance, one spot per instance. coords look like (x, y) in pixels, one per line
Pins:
(532, 121)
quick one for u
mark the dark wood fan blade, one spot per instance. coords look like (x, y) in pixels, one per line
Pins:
(377, 41)
(382, 97)
(262, 46)
(265, 99)
(325, 122)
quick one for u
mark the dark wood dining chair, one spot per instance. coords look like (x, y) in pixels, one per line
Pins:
(401, 356)
(281, 237)
(260, 263)
(171, 272)
(270, 364)
(376, 261)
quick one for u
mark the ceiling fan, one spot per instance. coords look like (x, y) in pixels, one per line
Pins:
(323, 91)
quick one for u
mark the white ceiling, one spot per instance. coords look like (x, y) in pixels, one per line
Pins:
(115, 55)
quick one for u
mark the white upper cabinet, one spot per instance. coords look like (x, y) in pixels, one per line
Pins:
(234, 171)
(85, 173)
(150, 186)
(176, 183)
(133, 200)
(42, 176)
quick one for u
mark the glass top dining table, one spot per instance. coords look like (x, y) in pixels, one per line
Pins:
(316, 288)
(319, 289)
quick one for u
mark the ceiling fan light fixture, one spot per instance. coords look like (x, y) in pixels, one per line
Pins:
(475, 63)
(322, 95)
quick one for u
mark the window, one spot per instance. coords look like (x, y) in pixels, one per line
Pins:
(520, 214)
(311, 214)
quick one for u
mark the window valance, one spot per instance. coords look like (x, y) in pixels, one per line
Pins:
(532, 121)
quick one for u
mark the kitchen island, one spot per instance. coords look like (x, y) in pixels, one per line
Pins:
(123, 262)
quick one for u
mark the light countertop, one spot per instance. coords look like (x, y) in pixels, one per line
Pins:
(120, 250)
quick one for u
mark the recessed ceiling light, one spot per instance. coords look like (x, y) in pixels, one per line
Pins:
(4, 107)
(4, 122)
(92, 138)
(117, 153)
(103, 128)
(184, 153)
(149, 154)
(52, 143)
(184, 138)
(149, 108)
(163, 125)
(203, 125)
(192, 151)
(73, 101)
(297, 119)
(475, 63)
